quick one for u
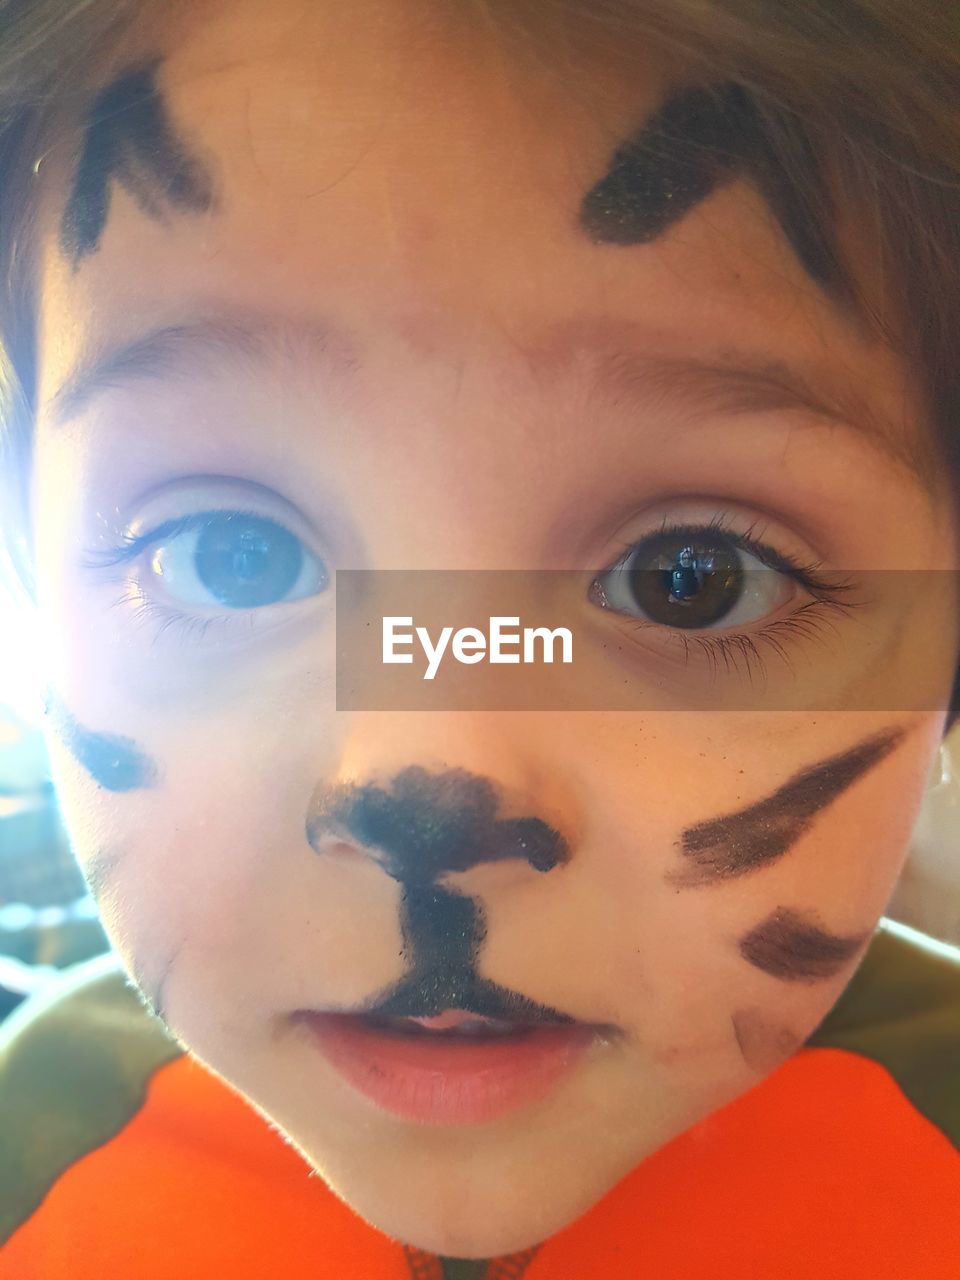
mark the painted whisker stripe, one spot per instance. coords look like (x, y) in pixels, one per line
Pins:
(116, 763)
(738, 843)
(764, 1042)
(791, 947)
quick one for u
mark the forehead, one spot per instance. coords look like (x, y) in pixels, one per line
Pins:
(409, 177)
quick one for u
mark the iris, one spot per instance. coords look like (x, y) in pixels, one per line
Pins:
(246, 561)
(680, 584)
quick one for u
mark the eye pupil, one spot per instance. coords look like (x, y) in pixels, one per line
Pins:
(251, 553)
(247, 561)
(683, 581)
(682, 585)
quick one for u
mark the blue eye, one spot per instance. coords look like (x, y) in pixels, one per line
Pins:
(232, 559)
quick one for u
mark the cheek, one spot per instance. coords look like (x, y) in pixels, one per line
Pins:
(206, 880)
(669, 960)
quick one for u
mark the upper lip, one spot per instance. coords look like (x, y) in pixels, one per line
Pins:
(477, 996)
(454, 990)
(387, 1009)
(484, 999)
(447, 1020)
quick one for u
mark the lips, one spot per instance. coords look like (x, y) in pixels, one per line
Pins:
(455, 1067)
(450, 1023)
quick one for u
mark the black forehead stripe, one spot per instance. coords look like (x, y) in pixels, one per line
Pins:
(788, 946)
(791, 201)
(697, 140)
(129, 139)
(113, 761)
(738, 843)
(683, 151)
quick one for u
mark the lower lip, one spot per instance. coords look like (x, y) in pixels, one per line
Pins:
(448, 1081)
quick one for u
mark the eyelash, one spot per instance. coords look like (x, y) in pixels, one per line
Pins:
(187, 627)
(162, 618)
(725, 653)
(742, 650)
(131, 545)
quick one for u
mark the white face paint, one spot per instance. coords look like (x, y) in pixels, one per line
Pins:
(404, 370)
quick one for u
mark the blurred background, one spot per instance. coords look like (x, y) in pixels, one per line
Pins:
(48, 920)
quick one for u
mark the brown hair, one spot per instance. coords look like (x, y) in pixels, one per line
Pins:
(858, 102)
(47, 51)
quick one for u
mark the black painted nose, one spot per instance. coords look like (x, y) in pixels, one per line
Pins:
(421, 824)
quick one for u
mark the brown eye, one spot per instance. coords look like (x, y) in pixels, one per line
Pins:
(693, 579)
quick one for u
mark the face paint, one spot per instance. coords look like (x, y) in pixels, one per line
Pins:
(114, 762)
(763, 1042)
(790, 947)
(696, 141)
(442, 934)
(426, 824)
(738, 843)
(686, 148)
(422, 826)
(129, 138)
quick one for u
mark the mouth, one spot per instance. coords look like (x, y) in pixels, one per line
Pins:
(451, 1023)
(455, 1067)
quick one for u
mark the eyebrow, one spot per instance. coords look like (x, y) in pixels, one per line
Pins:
(188, 349)
(735, 382)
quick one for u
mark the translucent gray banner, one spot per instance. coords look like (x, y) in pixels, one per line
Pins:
(484, 640)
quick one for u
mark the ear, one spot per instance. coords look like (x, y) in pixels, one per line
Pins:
(953, 711)
(928, 893)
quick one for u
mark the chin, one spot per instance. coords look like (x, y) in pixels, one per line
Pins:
(481, 1205)
(487, 1229)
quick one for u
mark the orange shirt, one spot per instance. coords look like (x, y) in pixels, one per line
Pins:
(122, 1157)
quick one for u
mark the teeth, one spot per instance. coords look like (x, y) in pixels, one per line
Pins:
(465, 1025)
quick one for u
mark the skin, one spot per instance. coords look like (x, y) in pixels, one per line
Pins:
(384, 169)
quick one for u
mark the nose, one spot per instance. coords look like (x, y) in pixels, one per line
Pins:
(441, 802)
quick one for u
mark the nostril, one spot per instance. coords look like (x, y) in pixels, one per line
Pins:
(337, 845)
(343, 851)
(333, 844)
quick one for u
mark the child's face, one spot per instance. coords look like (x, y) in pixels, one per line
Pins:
(410, 354)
